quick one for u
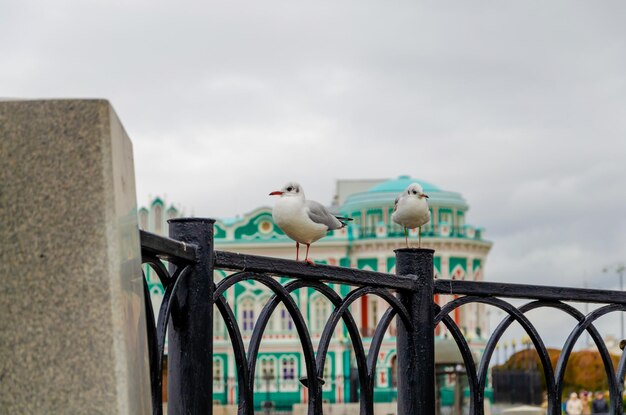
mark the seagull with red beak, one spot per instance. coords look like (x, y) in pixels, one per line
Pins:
(304, 221)
(410, 210)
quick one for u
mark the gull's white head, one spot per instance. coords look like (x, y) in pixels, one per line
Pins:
(415, 190)
(289, 190)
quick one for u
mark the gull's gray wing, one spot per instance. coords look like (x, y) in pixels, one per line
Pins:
(395, 203)
(319, 214)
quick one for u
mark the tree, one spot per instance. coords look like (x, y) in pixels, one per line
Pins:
(584, 371)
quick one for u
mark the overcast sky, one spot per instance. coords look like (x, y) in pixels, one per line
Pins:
(520, 106)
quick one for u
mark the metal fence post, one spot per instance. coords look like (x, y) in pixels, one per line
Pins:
(416, 345)
(190, 329)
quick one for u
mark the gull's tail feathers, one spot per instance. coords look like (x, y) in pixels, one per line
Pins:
(344, 220)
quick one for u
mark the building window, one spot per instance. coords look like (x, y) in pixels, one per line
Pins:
(373, 219)
(157, 219)
(286, 323)
(320, 313)
(172, 213)
(372, 302)
(327, 375)
(394, 371)
(218, 324)
(268, 365)
(446, 217)
(289, 368)
(247, 315)
(288, 373)
(143, 219)
(267, 373)
(218, 375)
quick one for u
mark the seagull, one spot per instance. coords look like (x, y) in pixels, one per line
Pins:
(304, 221)
(410, 210)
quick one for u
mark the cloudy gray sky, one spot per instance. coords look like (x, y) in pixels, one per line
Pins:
(520, 106)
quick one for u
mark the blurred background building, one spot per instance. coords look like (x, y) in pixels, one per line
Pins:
(367, 243)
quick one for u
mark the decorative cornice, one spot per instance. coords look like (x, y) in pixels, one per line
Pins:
(385, 245)
(438, 244)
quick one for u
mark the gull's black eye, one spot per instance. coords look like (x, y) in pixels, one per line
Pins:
(289, 189)
(414, 192)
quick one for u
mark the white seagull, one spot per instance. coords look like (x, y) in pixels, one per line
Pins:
(304, 221)
(410, 210)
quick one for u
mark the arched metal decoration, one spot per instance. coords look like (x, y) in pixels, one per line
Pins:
(156, 333)
(515, 314)
(406, 295)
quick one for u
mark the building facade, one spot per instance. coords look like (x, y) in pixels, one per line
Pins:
(367, 243)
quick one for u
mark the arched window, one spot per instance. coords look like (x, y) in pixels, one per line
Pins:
(320, 311)
(143, 219)
(172, 213)
(266, 376)
(286, 323)
(393, 363)
(218, 324)
(372, 303)
(288, 372)
(373, 219)
(158, 218)
(446, 216)
(246, 315)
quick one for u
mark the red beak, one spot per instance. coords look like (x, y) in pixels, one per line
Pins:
(276, 193)
(425, 195)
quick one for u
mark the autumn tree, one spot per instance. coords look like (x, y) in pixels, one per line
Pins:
(584, 371)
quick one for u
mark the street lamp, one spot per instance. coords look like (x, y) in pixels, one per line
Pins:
(505, 345)
(268, 376)
(619, 269)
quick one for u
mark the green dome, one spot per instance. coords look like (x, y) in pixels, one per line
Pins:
(383, 194)
(400, 184)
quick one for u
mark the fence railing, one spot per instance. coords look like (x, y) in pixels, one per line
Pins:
(190, 294)
(442, 230)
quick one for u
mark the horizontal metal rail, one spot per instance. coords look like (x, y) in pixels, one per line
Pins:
(190, 295)
(293, 269)
(533, 292)
(166, 248)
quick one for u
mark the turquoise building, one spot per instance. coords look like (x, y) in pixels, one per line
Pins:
(367, 243)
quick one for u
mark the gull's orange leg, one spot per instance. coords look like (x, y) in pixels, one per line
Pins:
(307, 260)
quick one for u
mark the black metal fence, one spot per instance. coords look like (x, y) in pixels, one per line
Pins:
(190, 294)
(517, 386)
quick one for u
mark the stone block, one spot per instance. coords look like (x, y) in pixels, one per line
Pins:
(72, 332)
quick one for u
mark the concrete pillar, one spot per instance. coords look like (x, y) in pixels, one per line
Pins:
(72, 332)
